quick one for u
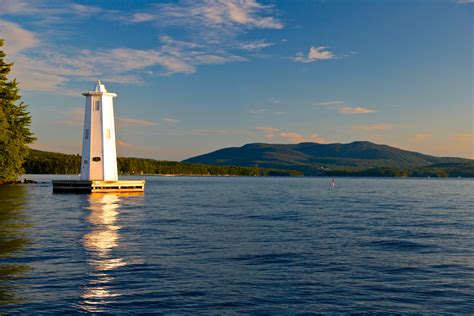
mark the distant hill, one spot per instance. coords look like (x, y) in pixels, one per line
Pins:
(356, 158)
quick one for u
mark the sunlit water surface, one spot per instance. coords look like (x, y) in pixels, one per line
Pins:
(233, 245)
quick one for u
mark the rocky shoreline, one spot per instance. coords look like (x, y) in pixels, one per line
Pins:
(25, 181)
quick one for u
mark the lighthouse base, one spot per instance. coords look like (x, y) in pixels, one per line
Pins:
(95, 186)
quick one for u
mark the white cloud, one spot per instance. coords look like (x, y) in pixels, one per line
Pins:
(211, 21)
(275, 134)
(32, 73)
(50, 67)
(87, 10)
(268, 131)
(44, 12)
(301, 138)
(50, 71)
(16, 38)
(330, 103)
(373, 127)
(140, 18)
(170, 120)
(317, 139)
(13, 7)
(355, 110)
(345, 109)
(219, 14)
(314, 54)
(256, 45)
(123, 144)
(292, 137)
(246, 13)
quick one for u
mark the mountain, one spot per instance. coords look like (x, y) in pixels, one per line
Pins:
(325, 159)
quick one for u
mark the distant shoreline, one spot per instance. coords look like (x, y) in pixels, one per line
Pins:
(244, 176)
(40, 162)
(303, 176)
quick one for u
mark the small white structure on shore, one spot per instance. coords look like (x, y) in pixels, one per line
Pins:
(99, 155)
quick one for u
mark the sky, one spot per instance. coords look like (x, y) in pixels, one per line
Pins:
(196, 76)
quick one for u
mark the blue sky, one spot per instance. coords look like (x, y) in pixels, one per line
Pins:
(195, 76)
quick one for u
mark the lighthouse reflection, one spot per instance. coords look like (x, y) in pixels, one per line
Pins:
(100, 243)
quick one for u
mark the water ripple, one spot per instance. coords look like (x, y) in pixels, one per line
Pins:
(240, 245)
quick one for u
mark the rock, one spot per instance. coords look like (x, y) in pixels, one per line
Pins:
(26, 181)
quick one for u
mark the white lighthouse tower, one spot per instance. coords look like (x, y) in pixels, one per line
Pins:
(99, 156)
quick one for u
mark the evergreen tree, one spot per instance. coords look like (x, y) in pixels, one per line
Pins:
(15, 123)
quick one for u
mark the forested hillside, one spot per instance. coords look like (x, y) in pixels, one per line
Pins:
(41, 162)
(353, 159)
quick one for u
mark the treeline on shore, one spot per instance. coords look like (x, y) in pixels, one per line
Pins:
(453, 170)
(42, 162)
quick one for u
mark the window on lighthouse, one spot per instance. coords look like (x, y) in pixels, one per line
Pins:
(97, 106)
(107, 133)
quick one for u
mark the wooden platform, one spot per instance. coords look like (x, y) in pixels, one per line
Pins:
(81, 186)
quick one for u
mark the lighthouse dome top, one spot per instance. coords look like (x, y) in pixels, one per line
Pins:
(99, 90)
(100, 87)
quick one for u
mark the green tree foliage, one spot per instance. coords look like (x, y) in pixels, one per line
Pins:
(41, 162)
(15, 123)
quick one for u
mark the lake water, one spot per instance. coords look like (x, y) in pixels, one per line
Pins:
(193, 245)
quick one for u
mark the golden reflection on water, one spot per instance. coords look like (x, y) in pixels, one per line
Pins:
(99, 243)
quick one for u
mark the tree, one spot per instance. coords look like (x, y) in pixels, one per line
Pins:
(15, 123)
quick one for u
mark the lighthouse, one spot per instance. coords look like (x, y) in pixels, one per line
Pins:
(99, 155)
